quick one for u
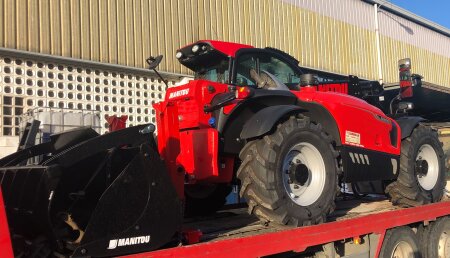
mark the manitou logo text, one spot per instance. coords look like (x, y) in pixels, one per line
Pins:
(113, 243)
(178, 93)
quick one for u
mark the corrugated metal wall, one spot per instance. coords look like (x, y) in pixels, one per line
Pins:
(338, 36)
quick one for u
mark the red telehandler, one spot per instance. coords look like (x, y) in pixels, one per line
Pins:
(249, 116)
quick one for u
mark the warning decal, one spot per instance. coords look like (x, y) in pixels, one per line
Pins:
(352, 138)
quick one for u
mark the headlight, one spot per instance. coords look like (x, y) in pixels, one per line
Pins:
(195, 48)
(178, 55)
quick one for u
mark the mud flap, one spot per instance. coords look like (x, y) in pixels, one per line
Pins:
(139, 211)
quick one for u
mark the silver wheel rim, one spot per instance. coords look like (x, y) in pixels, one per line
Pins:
(444, 244)
(403, 250)
(427, 153)
(308, 193)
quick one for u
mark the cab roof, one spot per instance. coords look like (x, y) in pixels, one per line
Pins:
(227, 48)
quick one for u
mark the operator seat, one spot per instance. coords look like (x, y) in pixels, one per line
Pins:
(267, 81)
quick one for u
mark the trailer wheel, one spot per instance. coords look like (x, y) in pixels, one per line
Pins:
(290, 176)
(435, 239)
(400, 242)
(205, 199)
(421, 179)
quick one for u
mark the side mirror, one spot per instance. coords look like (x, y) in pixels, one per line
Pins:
(153, 62)
(404, 107)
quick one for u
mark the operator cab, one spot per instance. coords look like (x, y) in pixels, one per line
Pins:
(241, 65)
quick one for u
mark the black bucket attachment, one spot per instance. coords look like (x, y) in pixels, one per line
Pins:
(92, 195)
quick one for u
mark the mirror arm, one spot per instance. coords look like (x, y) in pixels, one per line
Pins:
(159, 75)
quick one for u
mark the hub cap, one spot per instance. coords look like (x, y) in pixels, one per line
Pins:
(444, 244)
(427, 167)
(304, 174)
(403, 250)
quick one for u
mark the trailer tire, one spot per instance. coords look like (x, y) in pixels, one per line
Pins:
(205, 199)
(421, 178)
(435, 239)
(276, 189)
(400, 242)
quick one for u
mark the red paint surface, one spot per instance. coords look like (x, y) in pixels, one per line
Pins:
(116, 123)
(186, 141)
(355, 115)
(333, 87)
(5, 239)
(406, 90)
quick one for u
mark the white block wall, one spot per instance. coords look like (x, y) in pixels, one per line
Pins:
(26, 84)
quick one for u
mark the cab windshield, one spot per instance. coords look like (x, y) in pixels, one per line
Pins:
(214, 71)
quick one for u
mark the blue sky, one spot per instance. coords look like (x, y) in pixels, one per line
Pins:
(433, 10)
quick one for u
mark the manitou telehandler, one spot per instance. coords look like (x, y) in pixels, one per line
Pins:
(249, 116)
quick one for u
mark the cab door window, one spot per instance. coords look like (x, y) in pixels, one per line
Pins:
(265, 62)
(280, 69)
(245, 64)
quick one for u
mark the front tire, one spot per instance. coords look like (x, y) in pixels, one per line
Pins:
(421, 179)
(290, 176)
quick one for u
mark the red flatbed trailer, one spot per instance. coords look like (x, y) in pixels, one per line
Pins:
(361, 223)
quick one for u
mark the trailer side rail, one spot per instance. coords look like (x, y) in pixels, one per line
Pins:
(298, 239)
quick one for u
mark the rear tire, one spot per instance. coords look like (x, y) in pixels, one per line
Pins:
(400, 242)
(203, 200)
(290, 176)
(421, 179)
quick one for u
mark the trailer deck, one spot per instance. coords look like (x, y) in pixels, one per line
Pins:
(236, 223)
(234, 233)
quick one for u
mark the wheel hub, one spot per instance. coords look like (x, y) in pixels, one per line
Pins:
(299, 173)
(421, 167)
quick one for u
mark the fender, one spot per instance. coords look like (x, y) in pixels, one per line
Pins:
(263, 121)
(230, 125)
(408, 123)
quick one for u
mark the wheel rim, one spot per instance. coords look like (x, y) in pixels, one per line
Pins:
(444, 244)
(304, 174)
(403, 250)
(427, 167)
